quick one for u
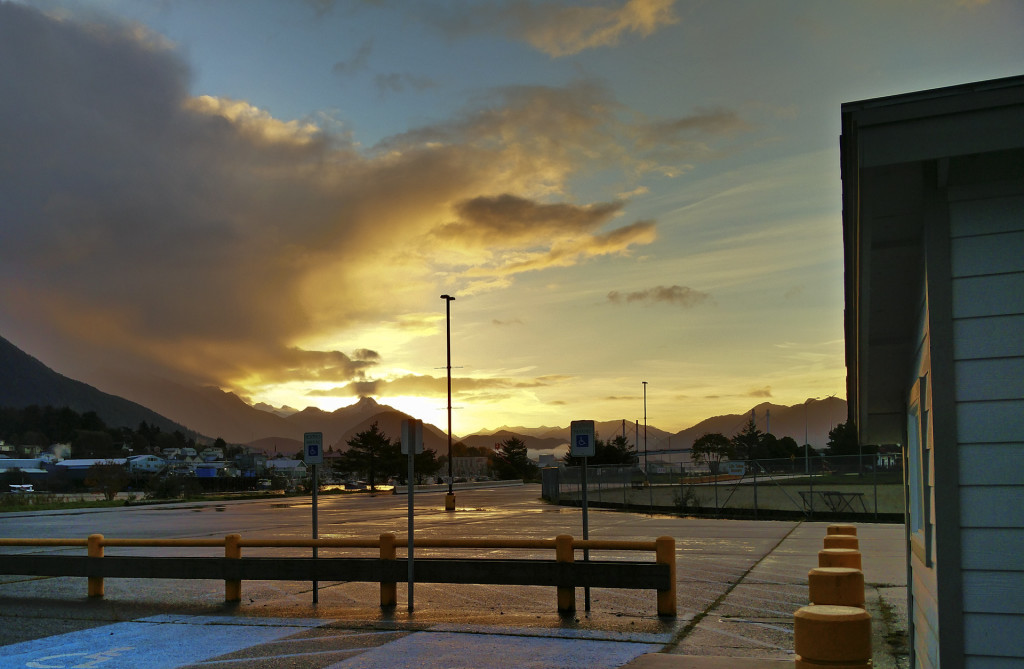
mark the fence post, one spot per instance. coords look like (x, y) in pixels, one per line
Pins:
(665, 553)
(232, 551)
(95, 548)
(564, 553)
(388, 589)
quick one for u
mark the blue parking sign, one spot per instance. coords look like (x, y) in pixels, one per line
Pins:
(313, 443)
(581, 442)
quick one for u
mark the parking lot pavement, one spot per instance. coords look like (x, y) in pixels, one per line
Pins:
(739, 583)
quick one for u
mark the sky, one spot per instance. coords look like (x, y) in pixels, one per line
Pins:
(270, 197)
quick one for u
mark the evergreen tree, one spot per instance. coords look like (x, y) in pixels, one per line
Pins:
(512, 462)
(370, 453)
(747, 444)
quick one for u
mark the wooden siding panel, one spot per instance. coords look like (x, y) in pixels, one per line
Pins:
(986, 216)
(988, 662)
(992, 337)
(994, 592)
(996, 549)
(999, 295)
(999, 379)
(992, 464)
(990, 254)
(994, 635)
(991, 506)
(996, 337)
(996, 422)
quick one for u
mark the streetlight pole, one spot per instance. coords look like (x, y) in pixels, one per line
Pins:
(645, 425)
(449, 500)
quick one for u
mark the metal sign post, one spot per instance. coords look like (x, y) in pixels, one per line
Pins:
(412, 444)
(583, 445)
(313, 454)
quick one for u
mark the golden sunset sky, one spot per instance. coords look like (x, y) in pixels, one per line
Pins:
(270, 197)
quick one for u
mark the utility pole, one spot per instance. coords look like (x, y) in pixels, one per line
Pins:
(645, 424)
(449, 500)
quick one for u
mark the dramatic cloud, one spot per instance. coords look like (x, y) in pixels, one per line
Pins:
(204, 239)
(507, 219)
(562, 29)
(678, 295)
(422, 385)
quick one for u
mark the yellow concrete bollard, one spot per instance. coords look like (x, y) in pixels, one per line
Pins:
(840, 586)
(95, 550)
(665, 553)
(232, 551)
(449, 502)
(839, 557)
(842, 541)
(564, 553)
(840, 528)
(838, 637)
(388, 589)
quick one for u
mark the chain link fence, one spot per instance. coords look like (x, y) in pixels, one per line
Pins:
(866, 487)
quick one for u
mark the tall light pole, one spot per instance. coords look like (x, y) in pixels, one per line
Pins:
(449, 500)
(645, 424)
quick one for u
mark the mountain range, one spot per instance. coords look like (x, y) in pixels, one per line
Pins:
(211, 413)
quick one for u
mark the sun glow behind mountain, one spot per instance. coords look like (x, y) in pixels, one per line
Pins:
(275, 207)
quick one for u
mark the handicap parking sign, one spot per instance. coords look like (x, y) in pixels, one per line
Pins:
(313, 443)
(582, 443)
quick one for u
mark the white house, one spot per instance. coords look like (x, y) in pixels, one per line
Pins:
(933, 225)
(149, 464)
(293, 469)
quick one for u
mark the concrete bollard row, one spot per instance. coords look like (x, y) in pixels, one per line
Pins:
(835, 629)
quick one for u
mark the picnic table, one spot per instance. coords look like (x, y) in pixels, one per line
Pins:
(836, 501)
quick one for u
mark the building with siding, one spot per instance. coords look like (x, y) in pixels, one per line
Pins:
(933, 224)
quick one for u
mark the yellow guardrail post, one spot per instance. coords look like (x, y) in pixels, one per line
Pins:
(841, 586)
(840, 528)
(839, 557)
(842, 541)
(232, 551)
(95, 547)
(564, 553)
(834, 637)
(665, 553)
(388, 589)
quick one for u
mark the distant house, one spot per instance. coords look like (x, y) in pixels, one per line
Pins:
(466, 467)
(933, 225)
(77, 469)
(146, 464)
(30, 468)
(295, 470)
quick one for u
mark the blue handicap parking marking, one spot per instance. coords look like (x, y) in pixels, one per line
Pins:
(159, 642)
(447, 650)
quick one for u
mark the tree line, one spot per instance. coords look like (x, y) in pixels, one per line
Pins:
(753, 444)
(373, 455)
(86, 433)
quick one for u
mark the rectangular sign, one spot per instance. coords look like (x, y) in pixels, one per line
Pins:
(581, 439)
(313, 448)
(412, 433)
(738, 468)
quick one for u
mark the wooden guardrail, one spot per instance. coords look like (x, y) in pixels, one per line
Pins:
(564, 573)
